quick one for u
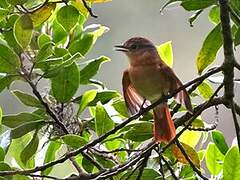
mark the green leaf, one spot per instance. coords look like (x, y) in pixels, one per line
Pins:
(43, 39)
(87, 97)
(50, 155)
(74, 141)
(82, 44)
(235, 5)
(16, 2)
(192, 154)
(231, 165)
(187, 173)
(66, 83)
(191, 5)
(214, 15)
(9, 60)
(19, 144)
(209, 49)
(3, 13)
(87, 165)
(166, 53)
(26, 128)
(23, 30)
(190, 138)
(103, 123)
(120, 106)
(5, 167)
(27, 99)
(13, 121)
(91, 69)
(45, 52)
(6, 81)
(59, 34)
(147, 174)
(68, 17)
(214, 159)
(205, 89)
(2, 154)
(237, 37)
(139, 131)
(219, 141)
(41, 15)
(30, 150)
(1, 114)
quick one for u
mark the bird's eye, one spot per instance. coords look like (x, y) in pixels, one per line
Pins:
(134, 46)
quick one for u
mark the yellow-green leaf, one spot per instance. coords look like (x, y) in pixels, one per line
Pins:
(41, 15)
(166, 53)
(205, 89)
(209, 49)
(23, 29)
(190, 138)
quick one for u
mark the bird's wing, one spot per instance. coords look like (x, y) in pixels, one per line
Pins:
(182, 97)
(133, 100)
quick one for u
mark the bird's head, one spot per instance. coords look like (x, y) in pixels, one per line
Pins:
(138, 48)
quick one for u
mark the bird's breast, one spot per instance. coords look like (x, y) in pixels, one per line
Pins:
(149, 81)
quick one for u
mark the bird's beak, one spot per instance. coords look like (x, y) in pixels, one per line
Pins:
(121, 48)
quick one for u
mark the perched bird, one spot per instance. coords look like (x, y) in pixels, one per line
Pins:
(149, 78)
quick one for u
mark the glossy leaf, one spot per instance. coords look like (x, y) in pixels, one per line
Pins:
(23, 30)
(91, 69)
(205, 89)
(50, 155)
(87, 97)
(13, 121)
(41, 15)
(214, 15)
(9, 60)
(192, 154)
(68, 17)
(190, 138)
(219, 141)
(103, 123)
(30, 150)
(26, 128)
(43, 39)
(66, 83)
(27, 99)
(16, 2)
(147, 174)
(74, 141)
(139, 131)
(209, 49)
(2, 154)
(166, 53)
(10, 39)
(45, 52)
(191, 5)
(231, 165)
(6, 81)
(214, 159)
(59, 34)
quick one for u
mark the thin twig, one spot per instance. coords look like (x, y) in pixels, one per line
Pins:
(170, 168)
(89, 9)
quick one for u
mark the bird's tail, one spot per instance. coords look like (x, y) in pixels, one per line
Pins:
(164, 129)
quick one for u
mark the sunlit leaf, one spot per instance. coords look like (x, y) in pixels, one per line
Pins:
(59, 34)
(209, 49)
(87, 97)
(192, 154)
(50, 155)
(103, 123)
(205, 89)
(27, 99)
(43, 39)
(66, 83)
(23, 29)
(219, 141)
(214, 159)
(68, 16)
(196, 4)
(190, 138)
(166, 53)
(16, 2)
(41, 15)
(231, 165)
